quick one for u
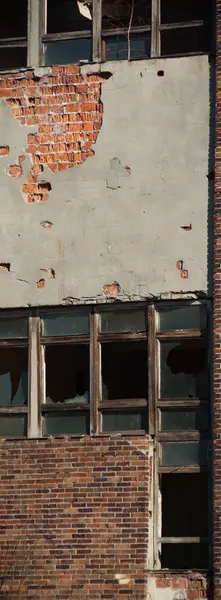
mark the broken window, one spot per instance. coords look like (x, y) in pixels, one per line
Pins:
(68, 32)
(126, 29)
(13, 35)
(65, 403)
(13, 376)
(182, 538)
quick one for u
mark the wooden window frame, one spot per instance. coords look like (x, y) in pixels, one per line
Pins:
(177, 436)
(37, 35)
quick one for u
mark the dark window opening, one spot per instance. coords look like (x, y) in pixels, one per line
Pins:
(13, 58)
(67, 374)
(118, 13)
(116, 47)
(184, 556)
(184, 369)
(14, 25)
(64, 15)
(184, 10)
(190, 40)
(184, 505)
(68, 51)
(124, 370)
(184, 419)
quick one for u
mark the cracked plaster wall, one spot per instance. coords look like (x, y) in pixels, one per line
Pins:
(134, 213)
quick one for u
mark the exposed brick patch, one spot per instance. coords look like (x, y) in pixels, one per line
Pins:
(4, 150)
(111, 290)
(14, 171)
(5, 267)
(66, 109)
(81, 508)
(40, 284)
(184, 586)
(46, 224)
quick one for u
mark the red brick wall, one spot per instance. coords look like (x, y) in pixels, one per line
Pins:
(217, 324)
(76, 513)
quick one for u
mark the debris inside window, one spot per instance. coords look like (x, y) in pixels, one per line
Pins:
(67, 374)
(64, 15)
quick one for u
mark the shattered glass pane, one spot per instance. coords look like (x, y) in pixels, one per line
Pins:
(13, 376)
(67, 374)
(13, 58)
(67, 422)
(184, 370)
(65, 15)
(117, 13)
(13, 425)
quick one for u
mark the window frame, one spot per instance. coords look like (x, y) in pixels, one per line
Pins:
(37, 35)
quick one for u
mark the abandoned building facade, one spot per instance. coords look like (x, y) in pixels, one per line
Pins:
(110, 300)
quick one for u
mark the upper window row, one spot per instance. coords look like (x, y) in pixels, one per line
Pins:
(72, 31)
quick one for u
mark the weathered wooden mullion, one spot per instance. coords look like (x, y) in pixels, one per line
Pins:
(181, 403)
(97, 18)
(95, 376)
(152, 369)
(155, 33)
(186, 469)
(122, 337)
(181, 25)
(177, 436)
(66, 35)
(8, 410)
(181, 334)
(63, 339)
(33, 385)
(64, 407)
(130, 403)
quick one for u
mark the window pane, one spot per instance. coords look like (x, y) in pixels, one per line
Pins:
(184, 369)
(67, 374)
(116, 47)
(182, 317)
(68, 51)
(64, 15)
(184, 419)
(13, 426)
(15, 327)
(179, 454)
(127, 320)
(184, 10)
(67, 422)
(184, 505)
(124, 420)
(184, 41)
(184, 556)
(65, 323)
(117, 14)
(14, 24)
(124, 370)
(13, 58)
(13, 376)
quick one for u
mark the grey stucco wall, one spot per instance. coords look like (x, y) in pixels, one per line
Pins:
(111, 223)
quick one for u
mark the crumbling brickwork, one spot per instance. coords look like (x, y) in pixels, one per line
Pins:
(64, 113)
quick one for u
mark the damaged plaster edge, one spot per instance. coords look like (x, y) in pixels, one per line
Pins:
(196, 295)
(42, 71)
